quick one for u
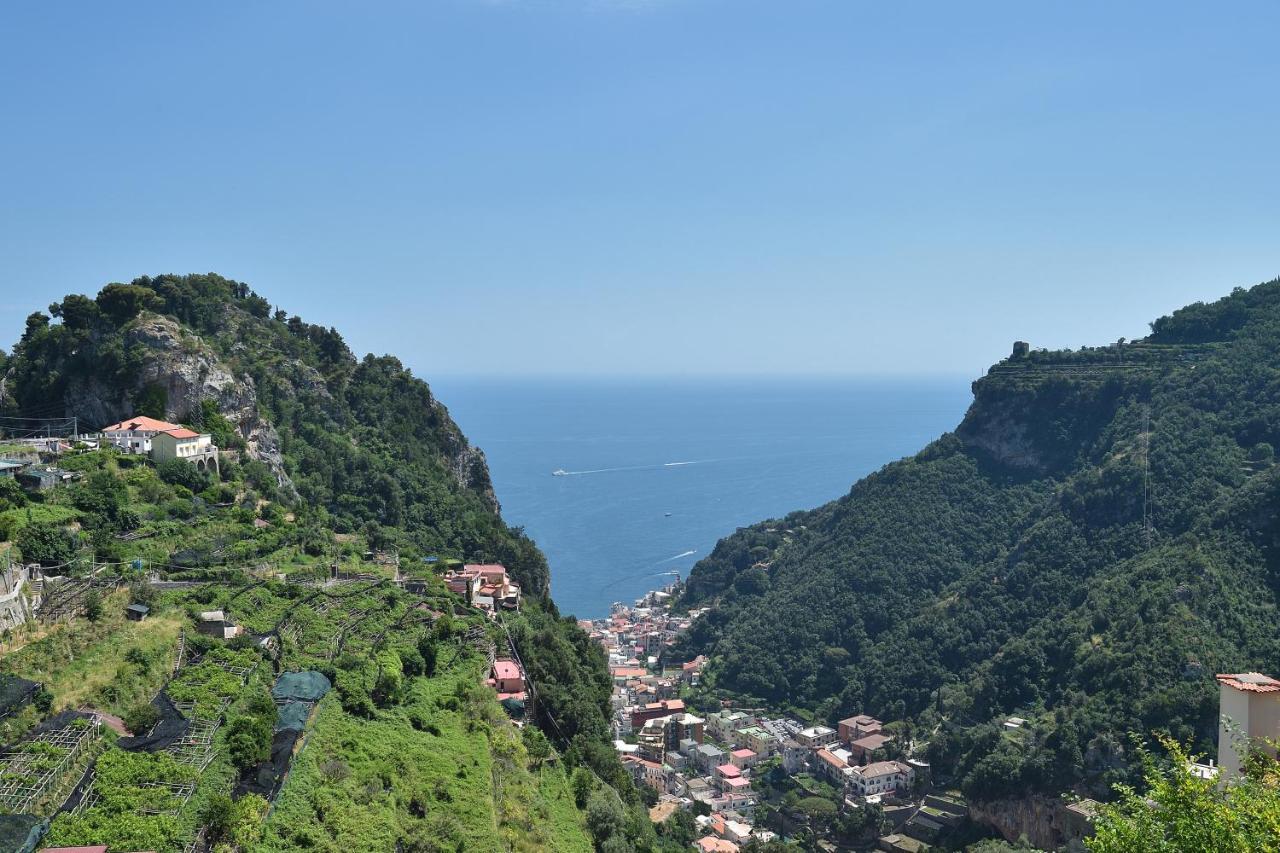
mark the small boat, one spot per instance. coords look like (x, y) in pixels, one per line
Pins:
(667, 514)
(559, 472)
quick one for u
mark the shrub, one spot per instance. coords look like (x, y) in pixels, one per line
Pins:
(93, 606)
(176, 472)
(46, 542)
(141, 718)
(11, 494)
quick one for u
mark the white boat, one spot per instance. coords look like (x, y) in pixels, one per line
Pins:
(559, 472)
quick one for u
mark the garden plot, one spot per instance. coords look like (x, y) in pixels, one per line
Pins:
(35, 772)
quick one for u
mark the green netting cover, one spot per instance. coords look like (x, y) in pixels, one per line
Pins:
(292, 716)
(306, 686)
(513, 706)
(21, 833)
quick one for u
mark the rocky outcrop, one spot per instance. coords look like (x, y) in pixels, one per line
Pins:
(470, 468)
(1002, 436)
(188, 371)
(1043, 822)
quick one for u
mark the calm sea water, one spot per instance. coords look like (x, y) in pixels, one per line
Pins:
(660, 470)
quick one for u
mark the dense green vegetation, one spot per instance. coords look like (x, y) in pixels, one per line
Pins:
(1179, 811)
(1094, 541)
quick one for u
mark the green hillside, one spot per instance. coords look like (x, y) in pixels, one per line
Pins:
(1092, 543)
(336, 465)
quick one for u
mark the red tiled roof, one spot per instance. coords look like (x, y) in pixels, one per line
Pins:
(141, 422)
(181, 432)
(1250, 682)
(743, 753)
(871, 741)
(737, 782)
(728, 771)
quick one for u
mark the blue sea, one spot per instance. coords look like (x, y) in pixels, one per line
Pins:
(659, 470)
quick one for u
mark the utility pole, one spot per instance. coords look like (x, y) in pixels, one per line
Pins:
(1146, 474)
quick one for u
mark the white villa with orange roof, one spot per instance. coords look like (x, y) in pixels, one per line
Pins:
(162, 441)
(134, 434)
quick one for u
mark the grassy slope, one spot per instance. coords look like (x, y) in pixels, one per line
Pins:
(83, 663)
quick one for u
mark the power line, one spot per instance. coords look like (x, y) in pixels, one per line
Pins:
(1146, 475)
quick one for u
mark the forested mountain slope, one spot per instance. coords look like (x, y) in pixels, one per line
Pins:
(362, 440)
(1092, 543)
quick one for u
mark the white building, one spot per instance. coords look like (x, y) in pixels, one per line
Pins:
(134, 435)
(816, 737)
(1249, 717)
(880, 777)
(190, 446)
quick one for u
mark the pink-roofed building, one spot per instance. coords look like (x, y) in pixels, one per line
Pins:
(507, 677)
(728, 771)
(487, 587)
(743, 758)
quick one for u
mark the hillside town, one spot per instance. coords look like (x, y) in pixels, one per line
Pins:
(723, 765)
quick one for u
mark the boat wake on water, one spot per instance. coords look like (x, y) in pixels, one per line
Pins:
(560, 472)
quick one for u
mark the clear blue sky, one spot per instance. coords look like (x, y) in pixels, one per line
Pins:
(651, 186)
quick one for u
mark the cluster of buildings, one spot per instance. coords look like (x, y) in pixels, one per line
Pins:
(35, 475)
(712, 759)
(32, 463)
(486, 587)
(161, 441)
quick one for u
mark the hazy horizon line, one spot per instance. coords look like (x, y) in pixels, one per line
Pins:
(696, 377)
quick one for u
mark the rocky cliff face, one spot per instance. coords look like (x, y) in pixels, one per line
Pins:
(470, 468)
(188, 371)
(177, 363)
(1043, 822)
(1039, 419)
